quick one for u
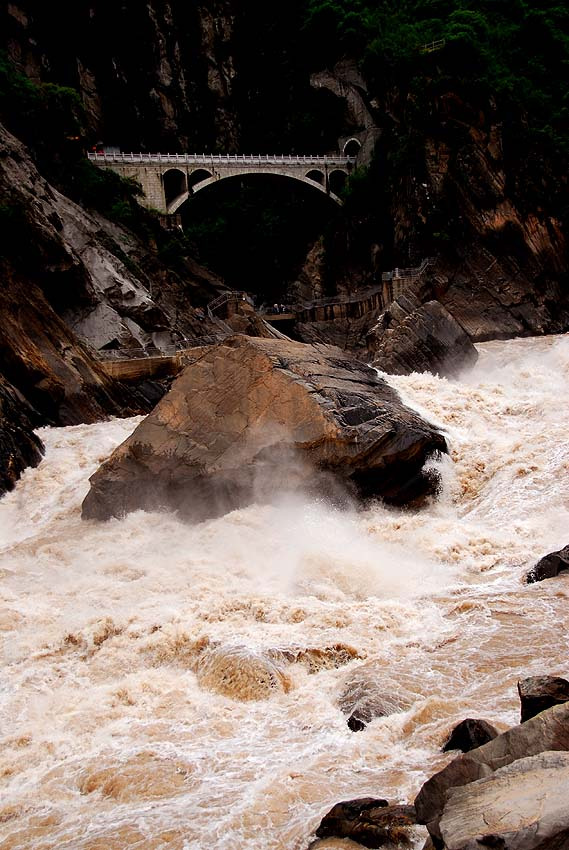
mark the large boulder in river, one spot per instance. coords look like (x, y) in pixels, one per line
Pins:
(538, 693)
(549, 566)
(253, 416)
(414, 337)
(522, 806)
(370, 822)
(546, 731)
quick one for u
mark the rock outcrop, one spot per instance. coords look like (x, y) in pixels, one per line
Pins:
(549, 566)
(73, 283)
(547, 731)
(370, 822)
(522, 806)
(253, 415)
(470, 734)
(414, 337)
(538, 693)
(19, 446)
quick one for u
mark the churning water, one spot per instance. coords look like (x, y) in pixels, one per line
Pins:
(170, 686)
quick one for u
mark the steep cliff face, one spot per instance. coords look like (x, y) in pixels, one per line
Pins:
(72, 284)
(175, 76)
(463, 192)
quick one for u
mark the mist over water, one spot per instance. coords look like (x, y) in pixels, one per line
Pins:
(175, 686)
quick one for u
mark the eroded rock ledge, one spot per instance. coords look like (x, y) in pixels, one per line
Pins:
(252, 417)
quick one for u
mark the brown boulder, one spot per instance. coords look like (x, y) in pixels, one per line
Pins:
(549, 566)
(547, 731)
(414, 337)
(370, 822)
(252, 416)
(537, 693)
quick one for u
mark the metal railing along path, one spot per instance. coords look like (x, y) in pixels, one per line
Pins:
(408, 273)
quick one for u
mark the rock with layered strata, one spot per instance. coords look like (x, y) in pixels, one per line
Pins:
(254, 417)
(548, 731)
(414, 337)
(522, 806)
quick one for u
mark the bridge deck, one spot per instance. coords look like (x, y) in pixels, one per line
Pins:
(220, 159)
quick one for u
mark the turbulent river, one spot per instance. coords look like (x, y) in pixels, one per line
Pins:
(112, 736)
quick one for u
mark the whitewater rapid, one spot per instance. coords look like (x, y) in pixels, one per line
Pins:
(114, 732)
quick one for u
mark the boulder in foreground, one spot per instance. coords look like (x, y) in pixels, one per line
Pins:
(546, 732)
(522, 806)
(252, 417)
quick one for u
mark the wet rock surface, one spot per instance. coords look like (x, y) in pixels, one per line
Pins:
(252, 417)
(19, 446)
(369, 821)
(414, 337)
(470, 734)
(548, 731)
(538, 693)
(522, 805)
(549, 566)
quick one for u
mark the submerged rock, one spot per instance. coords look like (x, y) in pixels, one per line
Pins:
(369, 821)
(470, 734)
(545, 732)
(537, 693)
(367, 695)
(414, 337)
(522, 806)
(252, 417)
(549, 566)
(240, 673)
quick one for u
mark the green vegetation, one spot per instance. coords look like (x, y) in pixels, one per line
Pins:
(514, 50)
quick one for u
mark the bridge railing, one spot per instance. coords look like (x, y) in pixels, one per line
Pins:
(219, 159)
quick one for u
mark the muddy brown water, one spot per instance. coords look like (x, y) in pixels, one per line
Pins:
(154, 691)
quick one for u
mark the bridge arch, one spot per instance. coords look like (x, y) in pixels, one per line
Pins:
(197, 175)
(217, 178)
(175, 185)
(337, 181)
(317, 176)
(352, 147)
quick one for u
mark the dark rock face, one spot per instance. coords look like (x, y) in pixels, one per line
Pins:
(370, 822)
(547, 731)
(522, 806)
(549, 566)
(19, 446)
(470, 734)
(65, 294)
(252, 415)
(537, 693)
(414, 337)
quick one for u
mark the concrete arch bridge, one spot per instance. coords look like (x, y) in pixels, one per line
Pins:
(168, 180)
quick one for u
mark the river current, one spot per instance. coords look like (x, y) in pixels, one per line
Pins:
(115, 733)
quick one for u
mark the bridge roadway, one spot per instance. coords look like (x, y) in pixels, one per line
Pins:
(168, 180)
